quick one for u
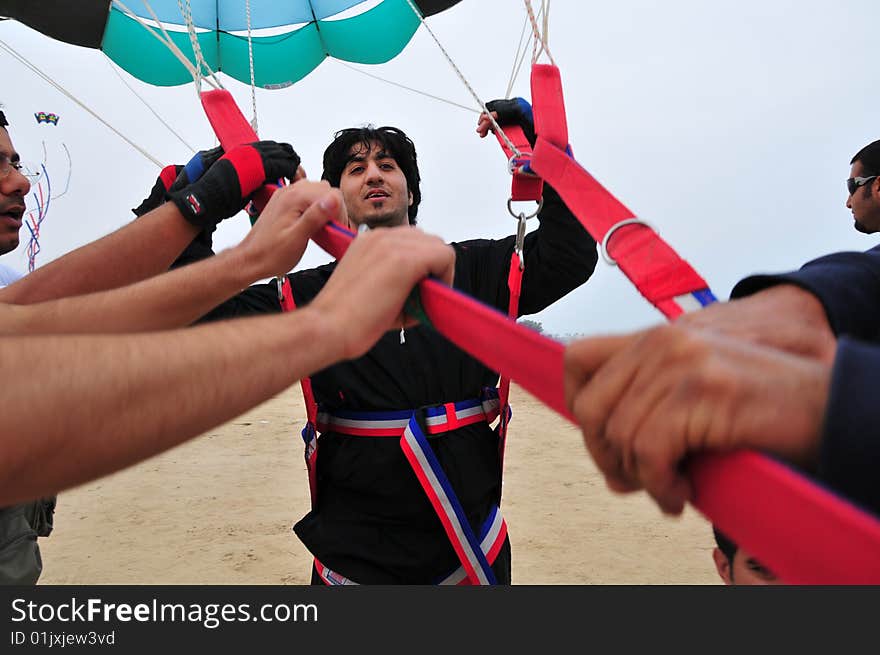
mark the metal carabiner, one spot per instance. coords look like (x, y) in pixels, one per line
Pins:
(521, 219)
(520, 239)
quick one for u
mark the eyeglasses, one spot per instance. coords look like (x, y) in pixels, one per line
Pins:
(854, 183)
(31, 171)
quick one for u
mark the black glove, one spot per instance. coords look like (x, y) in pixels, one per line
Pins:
(174, 177)
(225, 188)
(160, 188)
(515, 111)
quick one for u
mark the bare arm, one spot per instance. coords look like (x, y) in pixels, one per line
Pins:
(177, 298)
(80, 407)
(149, 245)
(135, 252)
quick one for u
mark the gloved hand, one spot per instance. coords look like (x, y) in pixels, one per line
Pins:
(157, 194)
(226, 186)
(174, 177)
(516, 111)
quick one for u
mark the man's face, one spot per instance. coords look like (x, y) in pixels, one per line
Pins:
(865, 202)
(745, 569)
(374, 188)
(13, 188)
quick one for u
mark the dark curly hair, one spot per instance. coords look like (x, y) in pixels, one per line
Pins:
(392, 140)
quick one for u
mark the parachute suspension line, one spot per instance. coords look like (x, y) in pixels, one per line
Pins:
(464, 81)
(22, 60)
(540, 33)
(147, 105)
(164, 37)
(518, 57)
(254, 123)
(408, 88)
(201, 63)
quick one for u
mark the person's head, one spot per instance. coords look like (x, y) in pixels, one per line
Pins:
(736, 566)
(377, 172)
(13, 189)
(863, 187)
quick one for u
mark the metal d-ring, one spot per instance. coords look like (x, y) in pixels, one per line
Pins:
(518, 214)
(604, 247)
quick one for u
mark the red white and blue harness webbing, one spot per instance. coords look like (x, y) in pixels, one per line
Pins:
(816, 538)
(492, 536)
(404, 425)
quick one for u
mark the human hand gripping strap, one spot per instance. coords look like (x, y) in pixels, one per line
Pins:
(742, 493)
(516, 119)
(226, 187)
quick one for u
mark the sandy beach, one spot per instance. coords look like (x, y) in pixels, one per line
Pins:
(219, 509)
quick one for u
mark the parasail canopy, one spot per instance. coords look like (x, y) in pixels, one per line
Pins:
(289, 38)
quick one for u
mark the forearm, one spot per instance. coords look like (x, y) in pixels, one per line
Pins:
(845, 284)
(112, 401)
(170, 300)
(137, 251)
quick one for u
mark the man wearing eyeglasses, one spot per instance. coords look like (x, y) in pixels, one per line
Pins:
(13, 187)
(20, 525)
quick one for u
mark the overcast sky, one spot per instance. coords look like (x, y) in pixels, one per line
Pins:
(727, 125)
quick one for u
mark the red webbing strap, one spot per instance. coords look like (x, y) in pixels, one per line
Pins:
(514, 286)
(232, 129)
(548, 105)
(288, 304)
(654, 268)
(523, 186)
(647, 260)
(804, 533)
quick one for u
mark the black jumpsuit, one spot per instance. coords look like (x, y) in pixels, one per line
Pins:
(373, 522)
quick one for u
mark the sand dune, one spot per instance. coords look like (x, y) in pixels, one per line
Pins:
(219, 510)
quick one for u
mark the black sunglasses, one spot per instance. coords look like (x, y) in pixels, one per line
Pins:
(854, 183)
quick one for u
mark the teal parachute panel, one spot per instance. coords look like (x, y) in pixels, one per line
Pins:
(289, 38)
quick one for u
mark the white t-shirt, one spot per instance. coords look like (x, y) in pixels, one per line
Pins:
(8, 275)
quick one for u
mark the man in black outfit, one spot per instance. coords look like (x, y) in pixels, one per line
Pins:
(372, 522)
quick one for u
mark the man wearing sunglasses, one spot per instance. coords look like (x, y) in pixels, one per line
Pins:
(863, 186)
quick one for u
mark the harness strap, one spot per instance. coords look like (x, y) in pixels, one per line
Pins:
(523, 186)
(438, 419)
(514, 285)
(492, 536)
(309, 432)
(439, 491)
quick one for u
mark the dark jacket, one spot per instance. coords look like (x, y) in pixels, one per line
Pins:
(848, 286)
